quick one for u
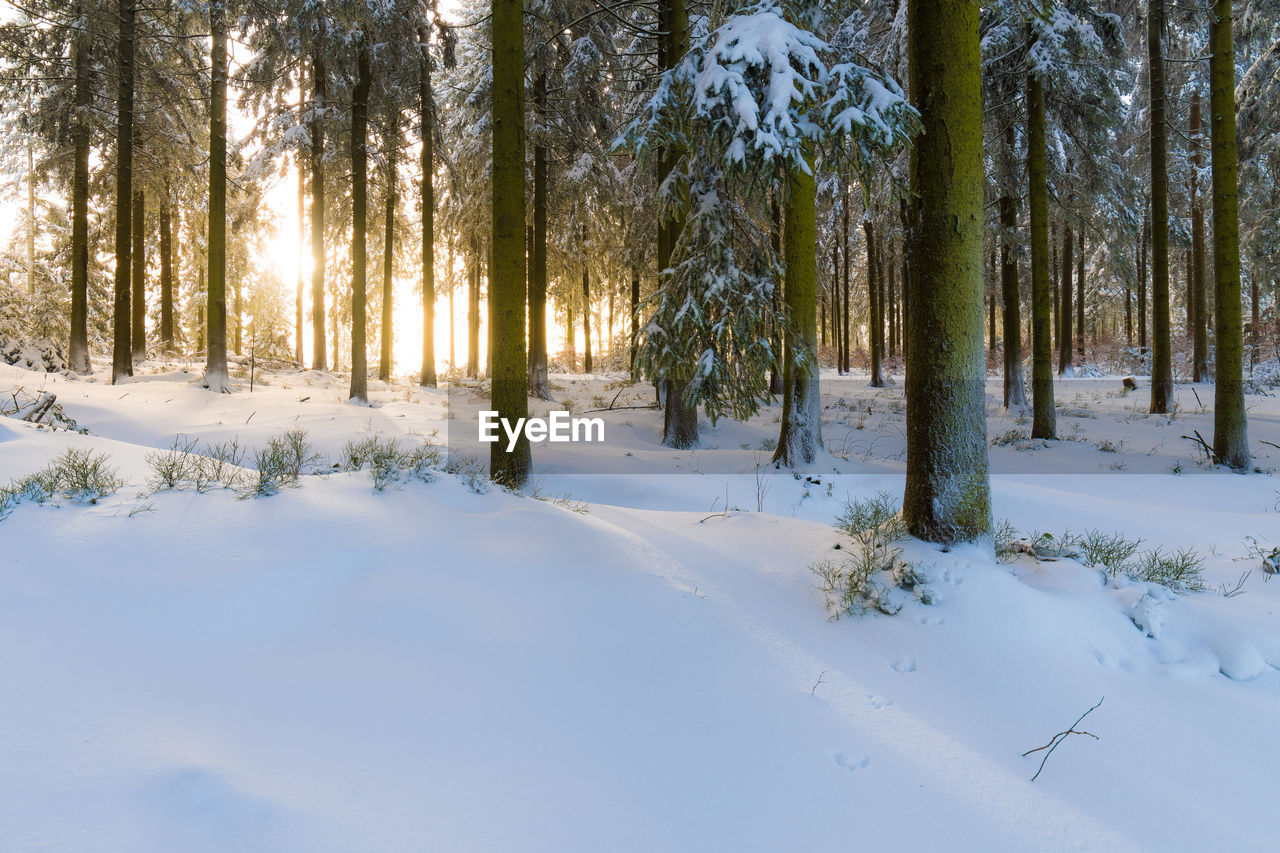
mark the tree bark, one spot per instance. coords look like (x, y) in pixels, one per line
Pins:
(801, 433)
(359, 222)
(138, 299)
(509, 366)
(121, 354)
(473, 309)
(1065, 367)
(1044, 418)
(1015, 393)
(539, 385)
(166, 271)
(1161, 351)
(1230, 427)
(215, 372)
(947, 496)
(299, 312)
(320, 86)
(386, 337)
(81, 140)
(426, 118)
(873, 304)
(1079, 306)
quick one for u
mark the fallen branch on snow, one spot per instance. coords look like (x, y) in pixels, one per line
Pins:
(1061, 736)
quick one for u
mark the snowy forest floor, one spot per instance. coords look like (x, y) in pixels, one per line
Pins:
(623, 665)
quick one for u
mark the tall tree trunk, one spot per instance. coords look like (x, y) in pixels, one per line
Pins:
(1161, 352)
(359, 222)
(586, 309)
(31, 220)
(509, 366)
(473, 309)
(1044, 418)
(387, 333)
(1057, 290)
(1065, 367)
(873, 304)
(635, 318)
(843, 319)
(121, 354)
(1015, 392)
(1143, 274)
(236, 318)
(319, 95)
(453, 363)
(1230, 428)
(1079, 306)
(539, 385)
(680, 418)
(775, 243)
(947, 496)
(426, 118)
(138, 299)
(215, 372)
(166, 271)
(81, 139)
(299, 313)
(801, 433)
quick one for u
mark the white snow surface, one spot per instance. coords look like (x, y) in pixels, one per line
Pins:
(427, 668)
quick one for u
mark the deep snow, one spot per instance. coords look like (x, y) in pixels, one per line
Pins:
(427, 668)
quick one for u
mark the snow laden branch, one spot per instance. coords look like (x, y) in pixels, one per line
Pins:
(753, 97)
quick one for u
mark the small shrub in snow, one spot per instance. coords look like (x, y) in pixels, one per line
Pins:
(282, 462)
(1180, 570)
(177, 467)
(1109, 446)
(387, 462)
(81, 476)
(224, 462)
(1012, 436)
(470, 471)
(865, 579)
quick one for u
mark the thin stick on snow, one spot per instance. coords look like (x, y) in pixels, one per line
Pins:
(1060, 737)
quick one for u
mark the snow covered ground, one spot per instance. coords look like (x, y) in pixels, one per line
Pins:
(623, 665)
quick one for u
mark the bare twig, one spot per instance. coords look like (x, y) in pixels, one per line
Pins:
(1272, 443)
(816, 683)
(1061, 736)
(1204, 446)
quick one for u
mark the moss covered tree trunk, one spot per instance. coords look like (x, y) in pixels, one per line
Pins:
(1161, 340)
(1230, 428)
(509, 366)
(1015, 392)
(121, 349)
(359, 222)
(1043, 422)
(801, 433)
(1079, 306)
(947, 494)
(81, 135)
(215, 372)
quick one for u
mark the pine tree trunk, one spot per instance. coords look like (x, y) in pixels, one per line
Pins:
(680, 419)
(426, 117)
(1079, 306)
(81, 139)
(947, 496)
(1064, 326)
(1161, 355)
(237, 327)
(509, 366)
(775, 242)
(215, 372)
(1044, 418)
(359, 222)
(873, 306)
(138, 298)
(473, 309)
(166, 271)
(1142, 283)
(320, 86)
(299, 312)
(387, 332)
(843, 319)
(31, 220)
(801, 433)
(586, 315)
(1230, 427)
(539, 385)
(121, 354)
(635, 318)
(1015, 393)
